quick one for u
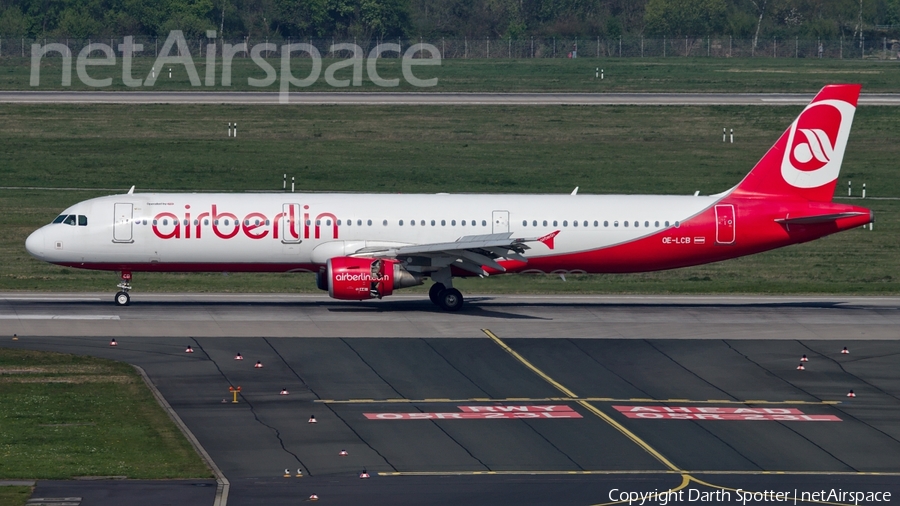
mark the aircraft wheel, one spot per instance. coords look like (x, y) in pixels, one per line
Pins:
(434, 293)
(451, 300)
(123, 299)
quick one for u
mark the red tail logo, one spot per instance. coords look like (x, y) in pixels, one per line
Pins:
(806, 160)
(548, 239)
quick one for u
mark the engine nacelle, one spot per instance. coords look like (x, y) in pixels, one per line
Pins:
(349, 278)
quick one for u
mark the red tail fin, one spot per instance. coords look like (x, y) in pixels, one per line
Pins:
(806, 160)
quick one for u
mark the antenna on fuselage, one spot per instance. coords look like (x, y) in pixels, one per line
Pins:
(131, 191)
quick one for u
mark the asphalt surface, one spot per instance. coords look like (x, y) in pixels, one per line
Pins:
(419, 98)
(589, 456)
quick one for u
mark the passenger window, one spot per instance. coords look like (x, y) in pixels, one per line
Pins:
(154, 223)
(647, 224)
(401, 223)
(677, 224)
(443, 223)
(483, 223)
(196, 222)
(166, 221)
(412, 223)
(605, 223)
(575, 223)
(338, 222)
(585, 223)
(667, 223)
(545, 223)
(464, 223)
(432, 223)
(625, 223)
(318, 222)
(327, 223)
(637, 224)
(384, 223)
(554, 223)
(596, 223)
(453, 222)
(205, 222)
(82, 220)
(524, 223)
(370, 223)
(656, 224)
(185, 222)
(534, 223)
(616, 223)
(359, 222)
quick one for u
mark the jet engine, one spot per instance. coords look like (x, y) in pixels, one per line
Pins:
(350, 278)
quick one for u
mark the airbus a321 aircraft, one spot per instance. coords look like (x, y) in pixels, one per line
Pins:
(364, 246)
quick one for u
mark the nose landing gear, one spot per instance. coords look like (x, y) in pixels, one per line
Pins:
(122, 298)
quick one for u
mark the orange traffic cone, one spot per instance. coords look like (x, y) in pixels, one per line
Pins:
(800, 367)
(804, 359)
(343, 453)
(314, 497)
(363, 475)
(258, 365)
(851, 394)
(238, 357)
(312, 418)
(189, 350)
(113, 342)
(284, 391)
(845, 351)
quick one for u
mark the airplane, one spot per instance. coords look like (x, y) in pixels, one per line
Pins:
(365, 246)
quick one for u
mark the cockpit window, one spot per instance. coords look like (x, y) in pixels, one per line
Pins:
(82, 220)
(70, 220)
(60, 218)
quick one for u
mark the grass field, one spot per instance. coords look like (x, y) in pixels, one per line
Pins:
(675, 74)
(458, 149)
(66, 416)
(14, 495)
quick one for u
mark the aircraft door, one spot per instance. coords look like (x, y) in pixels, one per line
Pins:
(291, 224)
(500, 222)
(725, 224)
(122, 224)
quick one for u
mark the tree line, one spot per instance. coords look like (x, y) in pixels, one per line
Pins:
(499, 19)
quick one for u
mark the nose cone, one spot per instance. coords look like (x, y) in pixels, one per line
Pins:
(35, 244)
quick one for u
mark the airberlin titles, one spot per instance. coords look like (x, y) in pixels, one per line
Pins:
(254, 225)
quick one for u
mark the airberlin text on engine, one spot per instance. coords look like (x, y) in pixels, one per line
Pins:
(225, 225)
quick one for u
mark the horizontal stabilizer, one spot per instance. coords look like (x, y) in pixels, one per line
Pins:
(822, 218)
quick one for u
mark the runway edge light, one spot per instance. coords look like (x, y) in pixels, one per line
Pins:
(312, 419)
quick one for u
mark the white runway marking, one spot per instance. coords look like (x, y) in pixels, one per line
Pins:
(58, 317)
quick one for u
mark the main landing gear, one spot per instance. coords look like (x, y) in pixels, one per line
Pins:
(122, 297)
(449, 299)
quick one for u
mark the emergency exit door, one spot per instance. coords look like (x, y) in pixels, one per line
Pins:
(500, 222)
(122, 222)
(725, 224)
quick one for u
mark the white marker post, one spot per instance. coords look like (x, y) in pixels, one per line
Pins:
(170, 72)
(597, 73)
(235, 130)
(229, 129)
(849, 188)
(601, 74)
(153, 72)
(732, 136)
(284, 182)
(292, 184)
(723, 134)
(864, 190)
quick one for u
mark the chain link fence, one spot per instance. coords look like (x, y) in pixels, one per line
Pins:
(625, 47)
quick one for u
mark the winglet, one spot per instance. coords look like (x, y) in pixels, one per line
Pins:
(548, 239)
(131, 191)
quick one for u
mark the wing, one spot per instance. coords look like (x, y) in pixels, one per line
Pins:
(470, 253)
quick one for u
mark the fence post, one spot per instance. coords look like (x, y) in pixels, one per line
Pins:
(620, 46)
(598, 46)
(642, 46)
(664, 46)
(796, 47)
(774, 47)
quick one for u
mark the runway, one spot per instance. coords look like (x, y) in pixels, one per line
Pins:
(314, 315)
(458, 413)
(419, 98)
